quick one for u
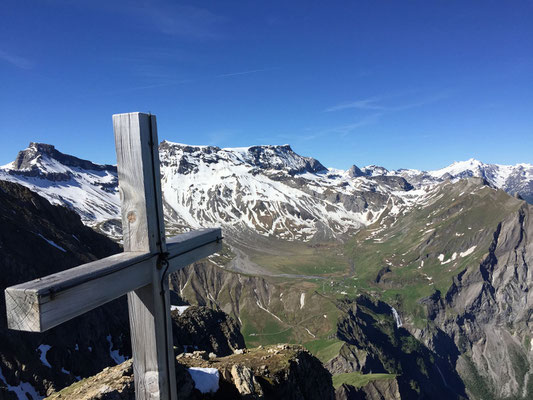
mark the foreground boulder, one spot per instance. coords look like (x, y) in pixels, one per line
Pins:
(110, 384)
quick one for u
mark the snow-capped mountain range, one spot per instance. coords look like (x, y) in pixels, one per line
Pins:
(270, 190)
(514, 179)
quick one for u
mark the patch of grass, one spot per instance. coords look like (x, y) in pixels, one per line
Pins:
(324, 349)
(269, 332)
(357, 379)
(302, 258)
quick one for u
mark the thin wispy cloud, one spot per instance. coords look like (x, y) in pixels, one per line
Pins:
(164, 16)
(145, 87)
(184, 21)
(347, 129)
(253, 71)
(337, 130)
(17, 61)
(167, 80)
(379, 103)
(366, 104)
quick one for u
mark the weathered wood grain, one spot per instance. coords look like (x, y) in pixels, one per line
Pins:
(23, 313)
(138, 164)
(43, 303)
(185, 242)
(143, 229)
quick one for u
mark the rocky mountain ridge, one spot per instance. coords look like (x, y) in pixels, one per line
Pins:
(265, 190)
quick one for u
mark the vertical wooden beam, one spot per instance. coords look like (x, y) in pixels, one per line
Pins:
(143, 229)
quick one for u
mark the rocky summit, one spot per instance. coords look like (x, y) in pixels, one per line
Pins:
(271, 373)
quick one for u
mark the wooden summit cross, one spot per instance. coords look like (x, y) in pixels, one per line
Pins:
(141, 270)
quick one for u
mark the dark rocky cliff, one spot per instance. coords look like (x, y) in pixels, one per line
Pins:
(374, 344)
(206, 329)
(37, 239)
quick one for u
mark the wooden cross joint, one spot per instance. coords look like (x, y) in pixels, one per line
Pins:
(141, 271)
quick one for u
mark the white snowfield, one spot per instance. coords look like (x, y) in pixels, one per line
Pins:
(206, 186)
(266, 189)
(114, 354)
(179, 309)
(206, 380)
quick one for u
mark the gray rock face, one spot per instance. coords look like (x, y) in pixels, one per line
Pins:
(354, 172)
(382, 389)
(202, 328)
(245, 381)
(394, 182)
(278, 158)
(488, 314)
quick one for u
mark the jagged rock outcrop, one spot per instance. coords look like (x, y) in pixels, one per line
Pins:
(276, 372)
(394, 182)
(354, 171)
(113, 383)
(245, 382)
(206, 329)
(488, 315)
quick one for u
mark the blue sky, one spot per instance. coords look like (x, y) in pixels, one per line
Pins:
(413, 84)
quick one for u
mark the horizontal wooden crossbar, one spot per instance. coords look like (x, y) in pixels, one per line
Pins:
(43, 303)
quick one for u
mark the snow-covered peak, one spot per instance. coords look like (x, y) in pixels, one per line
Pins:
(471, 167)
(266, 157)
(89, 189)
(42, 158)
(375, 170)
(514, 179)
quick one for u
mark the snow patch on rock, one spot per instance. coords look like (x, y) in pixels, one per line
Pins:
(206, 380)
